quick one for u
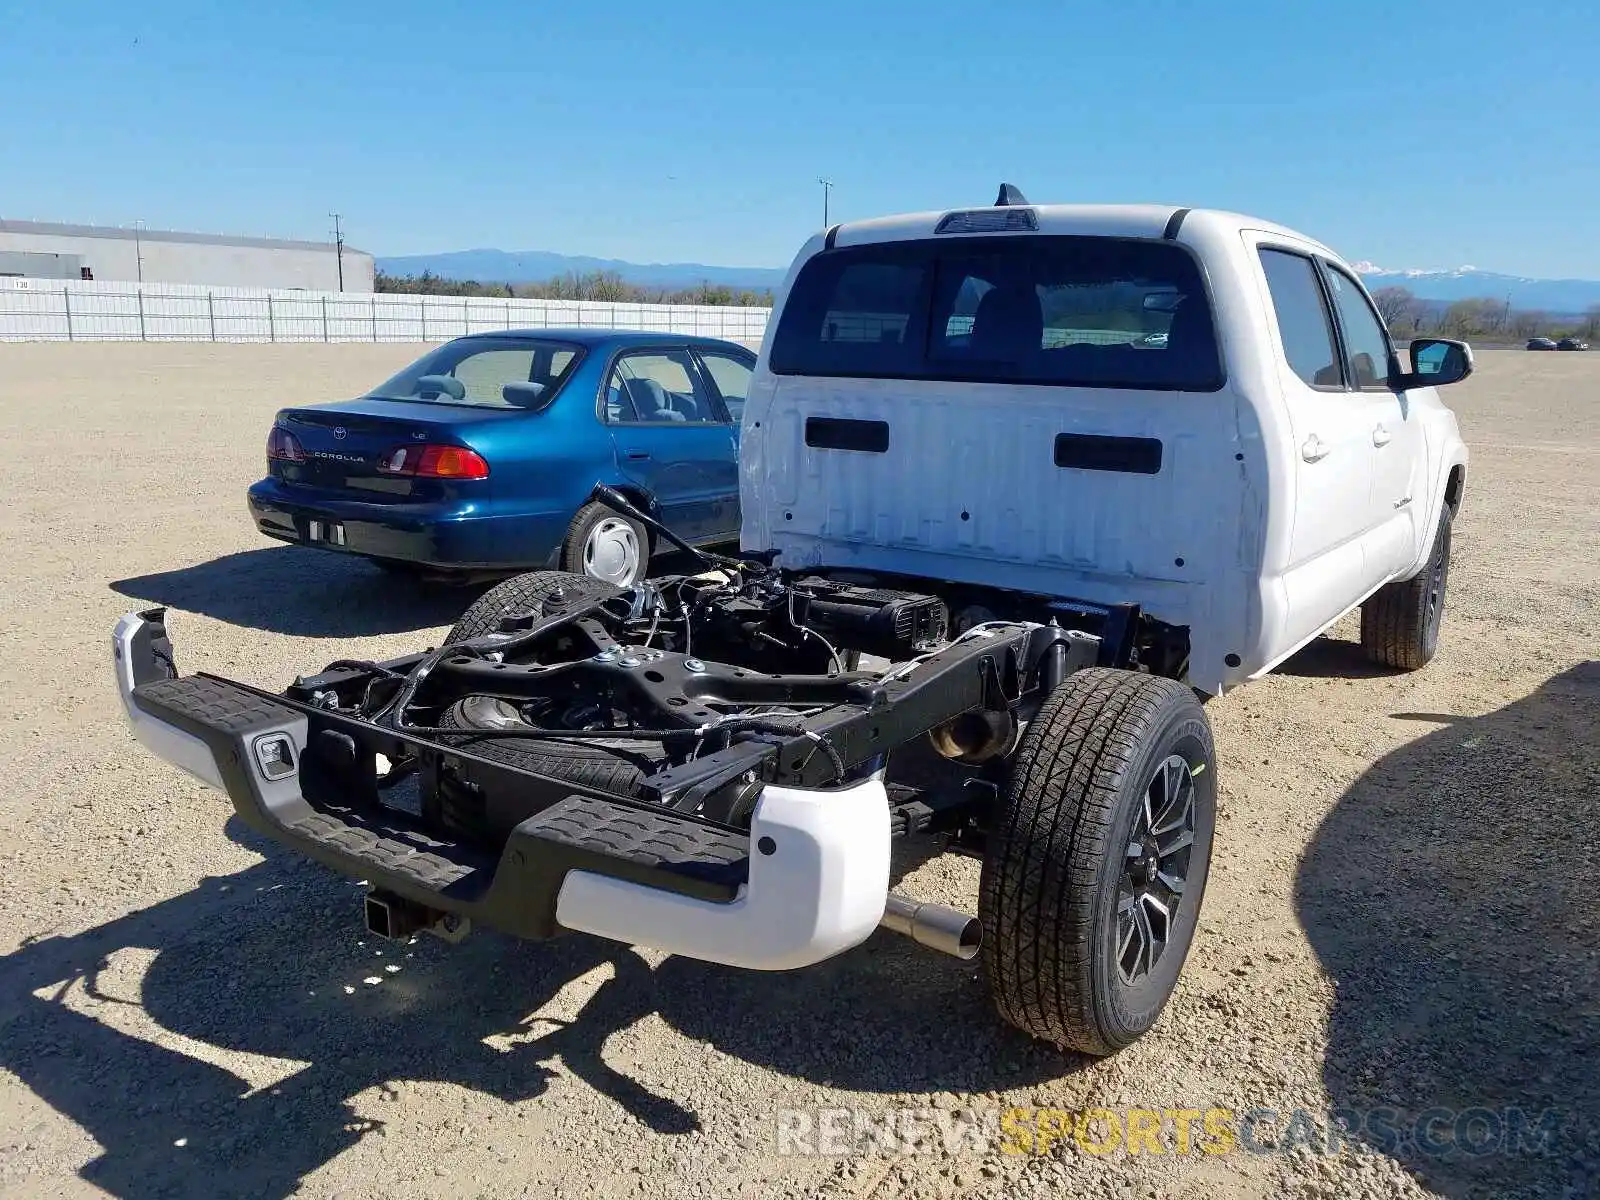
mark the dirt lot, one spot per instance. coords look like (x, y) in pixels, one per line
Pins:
(1401, 917)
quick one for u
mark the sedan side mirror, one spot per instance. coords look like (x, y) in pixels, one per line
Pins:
(1436, 362)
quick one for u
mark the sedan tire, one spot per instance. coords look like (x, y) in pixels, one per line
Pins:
(605, 545)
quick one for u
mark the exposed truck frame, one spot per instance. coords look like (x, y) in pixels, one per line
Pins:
(769, 849)
(1017, 552)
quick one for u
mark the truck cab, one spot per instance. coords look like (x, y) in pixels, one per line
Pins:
(1196, 412)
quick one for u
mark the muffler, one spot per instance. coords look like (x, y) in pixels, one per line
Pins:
(975, 737)
(935, 926)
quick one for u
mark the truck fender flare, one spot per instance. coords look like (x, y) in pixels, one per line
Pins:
(1455, 479)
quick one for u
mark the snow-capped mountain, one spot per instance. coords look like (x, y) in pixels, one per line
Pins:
(532, 266)
(523, 266)
(1469, 283)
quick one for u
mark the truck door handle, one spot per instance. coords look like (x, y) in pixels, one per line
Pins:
(638, 455)
(1380, 436)
(1313, 450)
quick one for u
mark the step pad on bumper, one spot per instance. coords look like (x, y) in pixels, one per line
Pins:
(657, 841)
(200, 706)
(436, 866)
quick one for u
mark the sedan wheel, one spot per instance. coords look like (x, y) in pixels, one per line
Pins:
(612, 552)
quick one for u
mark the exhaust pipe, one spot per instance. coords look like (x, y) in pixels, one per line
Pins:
(935, 926)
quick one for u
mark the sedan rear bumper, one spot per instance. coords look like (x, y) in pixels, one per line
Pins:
(430, 535)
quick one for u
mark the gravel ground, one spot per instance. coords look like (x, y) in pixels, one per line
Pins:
(1401, 916)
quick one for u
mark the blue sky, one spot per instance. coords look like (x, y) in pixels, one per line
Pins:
(1418, 134)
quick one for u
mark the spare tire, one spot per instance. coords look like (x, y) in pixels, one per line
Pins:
(613, 764)
(610, 764)
(520, 595)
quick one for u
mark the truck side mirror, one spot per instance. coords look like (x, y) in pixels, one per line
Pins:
(1436, 362)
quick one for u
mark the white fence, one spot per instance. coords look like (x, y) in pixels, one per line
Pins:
(49, 310)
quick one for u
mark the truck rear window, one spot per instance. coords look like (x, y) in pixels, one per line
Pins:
(1075, 311)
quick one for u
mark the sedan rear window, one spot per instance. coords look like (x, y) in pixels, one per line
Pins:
(476, 372)
(1075, 311)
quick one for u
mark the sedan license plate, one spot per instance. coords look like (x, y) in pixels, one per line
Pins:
(330, 532)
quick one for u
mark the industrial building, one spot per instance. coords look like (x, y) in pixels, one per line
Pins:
(33, 249)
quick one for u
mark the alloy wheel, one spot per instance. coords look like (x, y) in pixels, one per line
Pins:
(1155, 869)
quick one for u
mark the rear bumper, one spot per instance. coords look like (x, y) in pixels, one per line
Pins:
(437, 535)
(808, 881)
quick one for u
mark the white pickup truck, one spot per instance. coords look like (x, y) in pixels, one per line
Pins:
(1068, 470)
(1197, 412)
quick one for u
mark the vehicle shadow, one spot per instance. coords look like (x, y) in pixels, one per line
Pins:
(271, 961)
(1451, 897)
(305, 593)
(315, 593)
(1331, 658)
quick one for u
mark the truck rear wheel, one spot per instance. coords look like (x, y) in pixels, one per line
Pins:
(1400, 621)
(1097, 862)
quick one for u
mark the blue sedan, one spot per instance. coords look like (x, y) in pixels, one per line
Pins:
(482, 457)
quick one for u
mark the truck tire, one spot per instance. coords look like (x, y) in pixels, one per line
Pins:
(605, 545)
(1075, 948)
(1400, 621)
(518, 595)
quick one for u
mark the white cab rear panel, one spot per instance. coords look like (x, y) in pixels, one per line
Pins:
(970, 473)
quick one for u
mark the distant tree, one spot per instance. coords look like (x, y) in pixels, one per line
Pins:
(1528, 324)
(608, 285)
(605, 286)
(707, 294)
(1471, 318)
(1396, 305)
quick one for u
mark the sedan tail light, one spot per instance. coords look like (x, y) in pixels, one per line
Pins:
(435, 462)
(284, 446)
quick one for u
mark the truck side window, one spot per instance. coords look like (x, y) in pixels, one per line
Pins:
(1303, 320)
(1366, 340)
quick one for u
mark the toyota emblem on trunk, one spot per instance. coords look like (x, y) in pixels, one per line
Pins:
(338, 433)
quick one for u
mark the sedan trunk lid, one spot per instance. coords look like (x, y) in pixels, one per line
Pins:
(345, 445)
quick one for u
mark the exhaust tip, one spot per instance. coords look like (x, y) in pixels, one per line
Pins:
(973, 738)
(970, 940)
(936, 926)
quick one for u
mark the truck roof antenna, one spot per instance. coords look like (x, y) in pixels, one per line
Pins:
(1009, 195)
